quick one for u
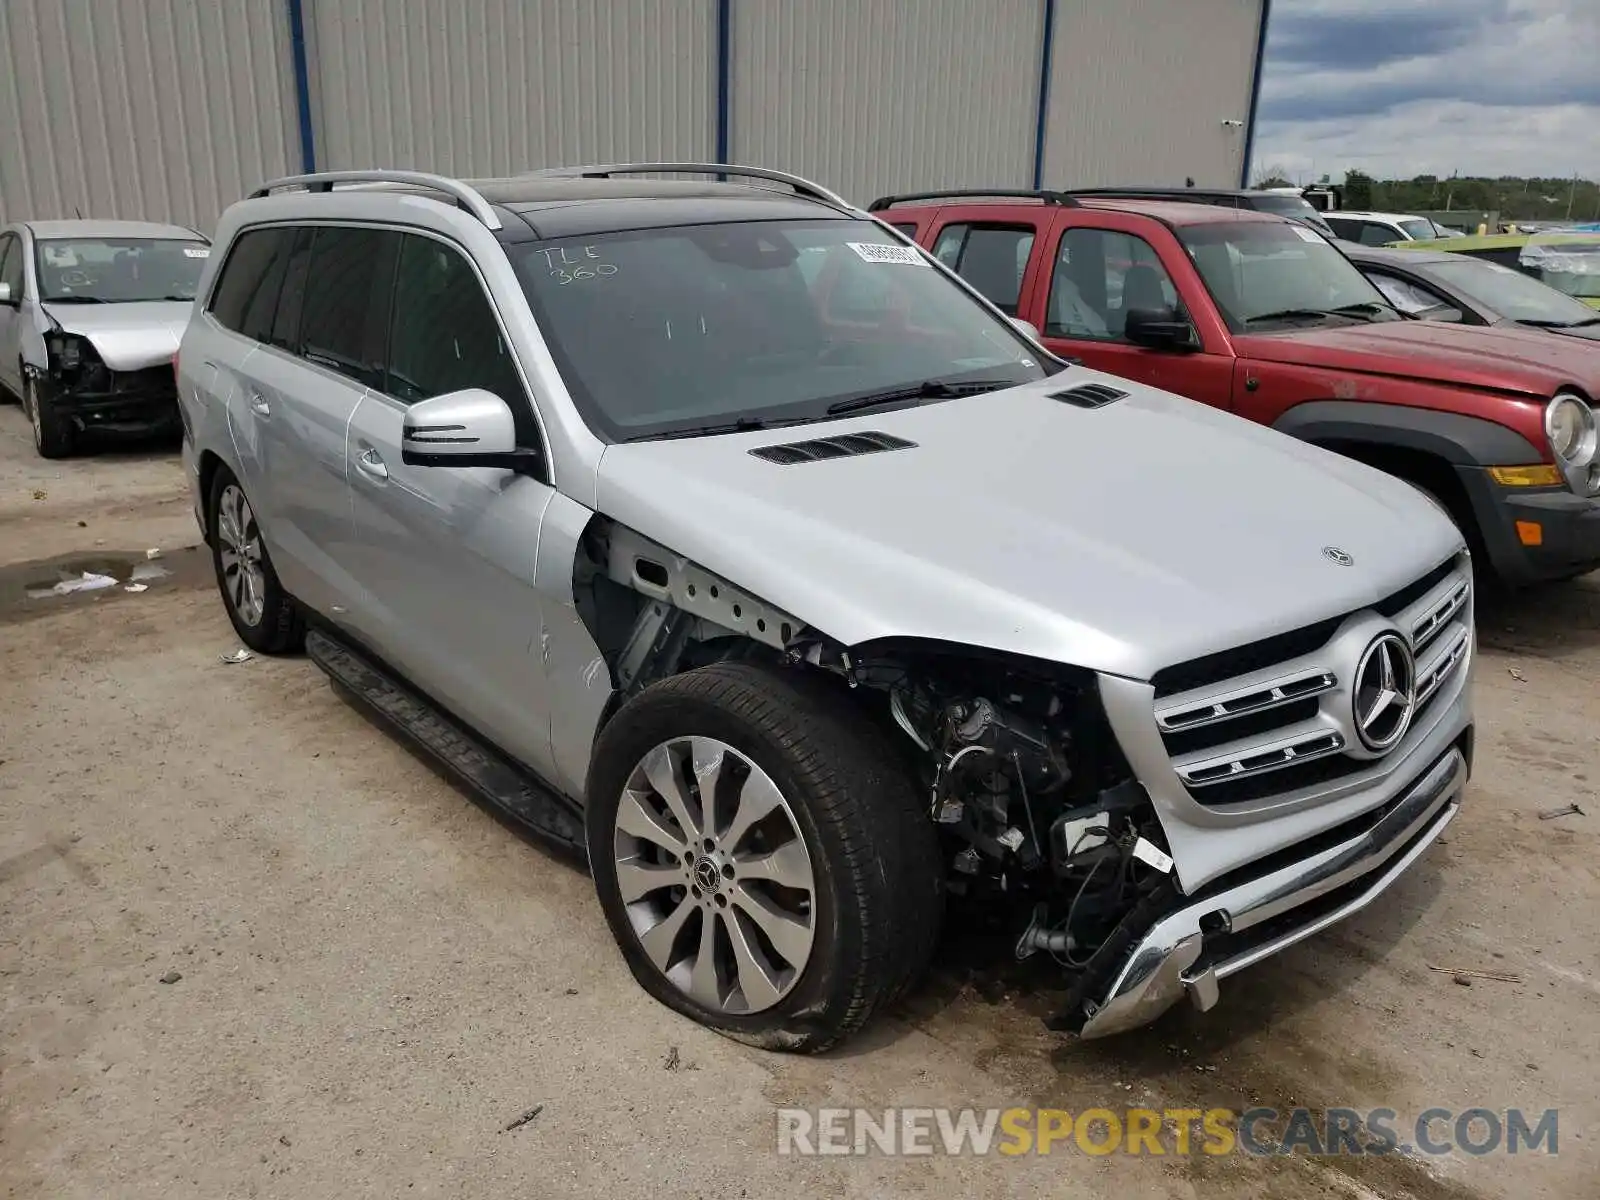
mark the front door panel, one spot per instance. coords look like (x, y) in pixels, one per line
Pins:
(446, 558)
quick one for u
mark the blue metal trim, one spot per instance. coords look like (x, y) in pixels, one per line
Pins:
(1255, 94)
(724, 73)
(1046, 51)
(302, 85)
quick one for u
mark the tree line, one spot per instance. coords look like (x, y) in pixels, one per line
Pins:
(1514, 197)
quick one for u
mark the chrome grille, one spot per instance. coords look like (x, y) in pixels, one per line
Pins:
(1243, 728)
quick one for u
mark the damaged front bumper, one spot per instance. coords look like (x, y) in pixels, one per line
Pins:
(1224, 931)
(142, 401)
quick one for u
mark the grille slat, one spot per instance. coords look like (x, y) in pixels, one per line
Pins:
(1274, 717)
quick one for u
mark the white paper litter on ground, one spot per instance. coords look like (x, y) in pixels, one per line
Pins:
(238, 656)
(137, 587)
(87, 582)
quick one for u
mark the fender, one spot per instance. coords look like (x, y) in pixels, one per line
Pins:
(1460, 440)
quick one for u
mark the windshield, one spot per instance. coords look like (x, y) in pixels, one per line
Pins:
(1262, 273)
(1419, 230)
(119, 270)
(1511, 293)
(659, 331)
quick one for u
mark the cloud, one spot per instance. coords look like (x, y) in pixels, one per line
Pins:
(1484, 87)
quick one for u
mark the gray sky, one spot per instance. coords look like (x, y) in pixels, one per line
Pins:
(1407, 87)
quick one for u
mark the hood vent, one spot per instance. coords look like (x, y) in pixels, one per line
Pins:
(1090, 395)
(846, 445)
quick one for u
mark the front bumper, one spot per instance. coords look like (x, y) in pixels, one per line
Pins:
(1232, 926)
(132, 401)
(1569, 530)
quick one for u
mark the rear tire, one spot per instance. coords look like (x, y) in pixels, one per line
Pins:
(264, 615)
(840, 828)
(53, 434)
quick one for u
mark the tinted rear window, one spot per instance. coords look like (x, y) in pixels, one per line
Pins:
(342, 326)
(247, 288)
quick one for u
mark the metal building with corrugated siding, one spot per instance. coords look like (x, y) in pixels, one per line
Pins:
(162, 110)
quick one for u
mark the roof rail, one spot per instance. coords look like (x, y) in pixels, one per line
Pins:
(1049, 197)
(801, 185)
(466, 198)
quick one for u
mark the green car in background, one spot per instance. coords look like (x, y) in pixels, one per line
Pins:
(1568, 262)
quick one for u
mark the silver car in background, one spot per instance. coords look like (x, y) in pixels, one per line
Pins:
(719, 533)
(91, 313)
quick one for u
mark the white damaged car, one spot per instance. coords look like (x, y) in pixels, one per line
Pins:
(91, 313)
(717, 533)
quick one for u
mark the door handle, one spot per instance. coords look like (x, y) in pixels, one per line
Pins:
(259, 406)
(371, 463)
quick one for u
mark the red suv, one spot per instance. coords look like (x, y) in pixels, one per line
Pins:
(1263, 316)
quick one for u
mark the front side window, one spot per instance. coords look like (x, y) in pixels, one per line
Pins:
(693, 328)
(1100, 276)
(1265, 274)
(247, 287)
(444, 336)
(992, 258)
(1374, 234)
(1406, 296)
(346, 311)
(119, 270)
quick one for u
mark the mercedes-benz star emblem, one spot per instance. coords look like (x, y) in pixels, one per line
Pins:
(1335, 555)
(1385, 692)
(707, 875)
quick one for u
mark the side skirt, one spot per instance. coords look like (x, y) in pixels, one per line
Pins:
(488, 773)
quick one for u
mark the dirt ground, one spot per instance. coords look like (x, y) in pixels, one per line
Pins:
(377, 976)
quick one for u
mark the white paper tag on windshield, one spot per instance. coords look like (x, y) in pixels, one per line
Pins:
(1308, 235)
(1147, 851)
(875, 252)
(197, 251)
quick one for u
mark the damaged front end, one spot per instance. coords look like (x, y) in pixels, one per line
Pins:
(79, 388)
(1045, 826)
(1064, 814)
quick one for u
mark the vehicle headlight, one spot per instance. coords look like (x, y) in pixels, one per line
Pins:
(1570, 425)
(68, 351)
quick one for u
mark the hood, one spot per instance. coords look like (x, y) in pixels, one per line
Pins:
(1502, 358)
(1123, 539)
(1584, 333)
(127, 337)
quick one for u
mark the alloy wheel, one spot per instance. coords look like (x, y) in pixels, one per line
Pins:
(239, 554)
(715, 876)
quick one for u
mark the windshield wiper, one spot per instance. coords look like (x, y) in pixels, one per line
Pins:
(1541, 323)
(928, 389)
(76, 300)
(737, 425)
(1364, 311)
(1370, 309)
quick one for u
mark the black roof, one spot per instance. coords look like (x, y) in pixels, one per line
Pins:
(552, 207)
(1380, 255)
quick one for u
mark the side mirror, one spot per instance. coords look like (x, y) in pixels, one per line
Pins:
(1158, 328)
(469, 428)
(1027, 328)
(5, 295)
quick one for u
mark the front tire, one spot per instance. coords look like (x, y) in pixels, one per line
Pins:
(53, 434)
(760, 856)
(263, 614)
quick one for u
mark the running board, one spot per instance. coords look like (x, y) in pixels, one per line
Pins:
(484, 771)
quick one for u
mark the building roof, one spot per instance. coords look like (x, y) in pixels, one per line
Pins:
(47, 230)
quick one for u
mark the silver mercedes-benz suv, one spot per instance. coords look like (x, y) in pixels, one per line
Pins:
(719, 534)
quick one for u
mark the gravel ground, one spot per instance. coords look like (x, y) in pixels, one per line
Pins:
(377, 976)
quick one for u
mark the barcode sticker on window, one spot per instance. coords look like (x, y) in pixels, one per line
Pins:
(197, 251)
(876, 252)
